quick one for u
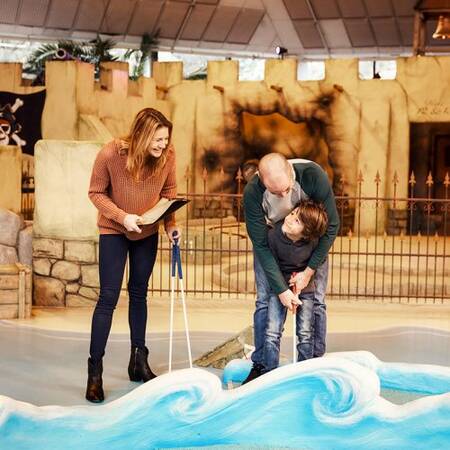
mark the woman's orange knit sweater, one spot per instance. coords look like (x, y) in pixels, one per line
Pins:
(115, 193)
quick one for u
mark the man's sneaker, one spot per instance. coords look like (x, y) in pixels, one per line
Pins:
(257, 370)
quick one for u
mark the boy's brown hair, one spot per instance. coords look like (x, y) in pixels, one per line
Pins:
(314, 219)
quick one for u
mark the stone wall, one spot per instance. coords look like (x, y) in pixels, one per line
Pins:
(15, 266)
(65, 272)
(65, 241)
(15, 238)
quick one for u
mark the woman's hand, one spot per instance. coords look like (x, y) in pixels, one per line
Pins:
(131, 223)
(173, 233)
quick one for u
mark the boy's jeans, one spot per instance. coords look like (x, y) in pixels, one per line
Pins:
(260, 316)
(304, 331)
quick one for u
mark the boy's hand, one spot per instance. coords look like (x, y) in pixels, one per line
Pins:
(289, 299)
(301, 279)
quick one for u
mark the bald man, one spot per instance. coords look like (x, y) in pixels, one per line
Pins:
(271, 194)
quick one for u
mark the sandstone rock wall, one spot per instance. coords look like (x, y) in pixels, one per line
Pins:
(15, 238)
(15, 266)
(65, 272)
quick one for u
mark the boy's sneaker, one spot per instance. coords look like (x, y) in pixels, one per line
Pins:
(257, 370)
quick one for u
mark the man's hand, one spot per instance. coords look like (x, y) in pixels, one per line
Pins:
(173, 233)
(131, 223)
(289, 299)
(301, 279)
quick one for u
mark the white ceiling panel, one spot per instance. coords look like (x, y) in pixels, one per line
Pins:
(406, 26)
(348, 26)
(386, 31)
(197, 22)
(308, 33)
(33, 12)
(403, 7)
(145, 17)
(117, 16)
(244, 26)
(359, 32)
(62, 17)
(335, 33)
(379, 8)
(8, 11)
(298, 9)
(325, 9)
(171, 19)
(352, 8)
(90, 15)
(221, 23)
(253, 4)
(235, 3)
(264, 34)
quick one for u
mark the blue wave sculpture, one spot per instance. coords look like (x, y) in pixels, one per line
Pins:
(325, 403)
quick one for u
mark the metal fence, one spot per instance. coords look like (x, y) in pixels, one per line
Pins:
(405, 259)
(27, 206)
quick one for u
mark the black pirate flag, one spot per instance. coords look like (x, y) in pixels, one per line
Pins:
(20, 119)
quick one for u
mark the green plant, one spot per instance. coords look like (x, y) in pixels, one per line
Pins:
(98, 51)
(199, 74)
(141, 55)
(94, 52)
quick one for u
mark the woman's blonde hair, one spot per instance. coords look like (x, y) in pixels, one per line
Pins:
(139, 139)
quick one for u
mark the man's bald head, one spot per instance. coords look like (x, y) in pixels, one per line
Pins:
(276, 174)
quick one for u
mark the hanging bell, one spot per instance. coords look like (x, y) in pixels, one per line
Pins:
(443, 28)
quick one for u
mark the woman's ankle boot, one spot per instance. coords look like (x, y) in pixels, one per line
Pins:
(94, 390)
(138, 369)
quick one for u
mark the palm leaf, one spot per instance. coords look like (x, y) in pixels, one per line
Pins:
(142, 55)
(35, 63)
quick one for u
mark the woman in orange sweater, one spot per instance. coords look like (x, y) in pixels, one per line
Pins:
(129, 177)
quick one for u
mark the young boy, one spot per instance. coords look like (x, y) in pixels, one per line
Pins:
(292, 242)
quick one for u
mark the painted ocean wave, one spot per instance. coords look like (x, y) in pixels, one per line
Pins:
(325, 403)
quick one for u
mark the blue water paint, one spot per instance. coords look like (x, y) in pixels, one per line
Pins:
(324, 403)
(236, 371)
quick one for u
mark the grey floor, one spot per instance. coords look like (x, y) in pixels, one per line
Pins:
(47, 367)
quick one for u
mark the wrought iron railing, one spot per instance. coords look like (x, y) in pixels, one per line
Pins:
(404, 258)
(27, 206)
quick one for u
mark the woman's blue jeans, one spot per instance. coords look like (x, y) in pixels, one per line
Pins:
(113, 251)
(260, 316)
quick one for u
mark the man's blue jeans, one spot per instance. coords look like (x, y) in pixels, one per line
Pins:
(304, 330)
(260, 316)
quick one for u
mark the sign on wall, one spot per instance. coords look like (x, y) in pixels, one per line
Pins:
(20, 119)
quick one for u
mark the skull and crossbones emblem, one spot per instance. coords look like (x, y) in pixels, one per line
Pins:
(9, 127)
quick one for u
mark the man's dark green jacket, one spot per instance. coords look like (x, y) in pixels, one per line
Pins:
(314, 182)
